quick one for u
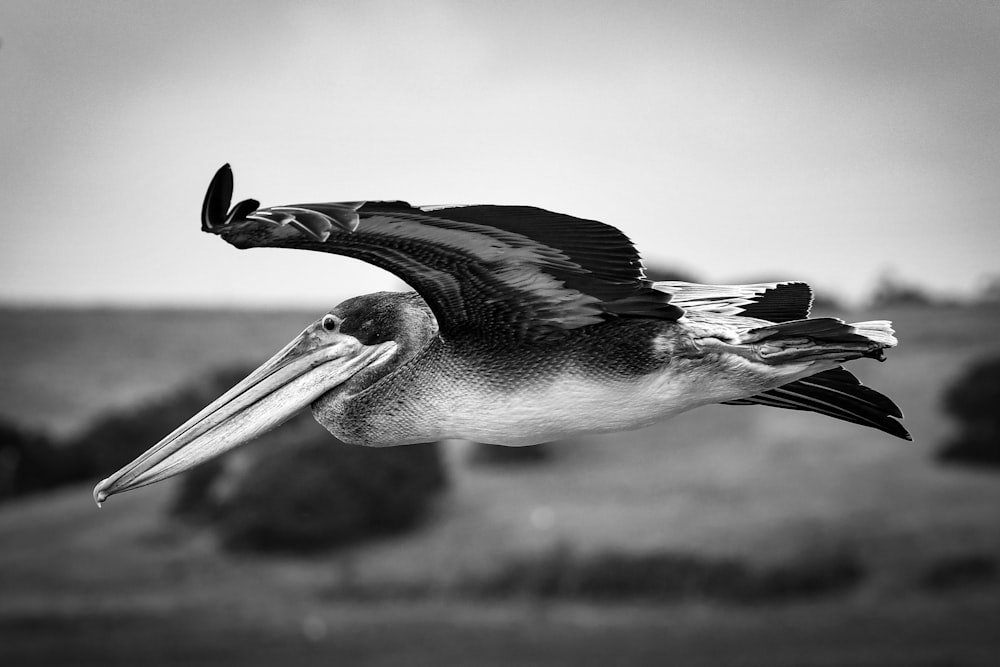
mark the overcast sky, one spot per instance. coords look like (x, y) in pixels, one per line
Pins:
(832, 142)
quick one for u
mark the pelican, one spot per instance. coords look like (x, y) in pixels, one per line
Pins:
(525, 326)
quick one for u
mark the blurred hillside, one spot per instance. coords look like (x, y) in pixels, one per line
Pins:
(751, 485)
(61, 368)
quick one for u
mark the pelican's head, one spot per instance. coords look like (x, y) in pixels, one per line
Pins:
(345, 350)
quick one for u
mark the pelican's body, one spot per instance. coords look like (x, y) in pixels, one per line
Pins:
(526, 326)
(607, 379)
(610, 377)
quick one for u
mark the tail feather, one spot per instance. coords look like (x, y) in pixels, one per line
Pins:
(824, 337)
(838, 394)
(829, 330)
(879, 331)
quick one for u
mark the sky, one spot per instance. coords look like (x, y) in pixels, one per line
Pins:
(832, 142)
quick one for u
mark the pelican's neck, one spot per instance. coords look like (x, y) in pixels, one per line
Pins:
(413, 329)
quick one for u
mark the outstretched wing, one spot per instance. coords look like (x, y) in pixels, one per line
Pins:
(501, 272)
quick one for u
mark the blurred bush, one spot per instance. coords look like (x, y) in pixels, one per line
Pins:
(670, 576)
(973, 400)
(30, 462)
(297, 488)
(989, 291)
(486, 454)
(891, 291)
(959, 571)
(116, 438)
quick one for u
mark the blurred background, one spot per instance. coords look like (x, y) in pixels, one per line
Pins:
(852, 145)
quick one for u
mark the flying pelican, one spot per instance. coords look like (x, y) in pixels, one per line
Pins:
(526, 326)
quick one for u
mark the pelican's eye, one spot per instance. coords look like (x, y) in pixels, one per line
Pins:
(330, 323)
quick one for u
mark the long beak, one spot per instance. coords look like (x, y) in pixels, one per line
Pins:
(308, 367)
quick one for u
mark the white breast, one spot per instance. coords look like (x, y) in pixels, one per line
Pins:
(570, 405)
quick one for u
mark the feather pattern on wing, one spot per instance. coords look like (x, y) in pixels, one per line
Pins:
(836, 393)
(774, 302)
(488, 271)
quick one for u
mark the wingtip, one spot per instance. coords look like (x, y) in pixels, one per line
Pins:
(215, 207)
(894, 427)
(215, 210)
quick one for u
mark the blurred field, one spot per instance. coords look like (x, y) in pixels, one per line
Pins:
(81, 586)
(60, 367)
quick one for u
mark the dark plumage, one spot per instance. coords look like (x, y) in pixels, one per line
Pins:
(526, 326)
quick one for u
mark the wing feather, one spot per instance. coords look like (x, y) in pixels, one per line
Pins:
(774, 302)
(836, 393)
(485, 271)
